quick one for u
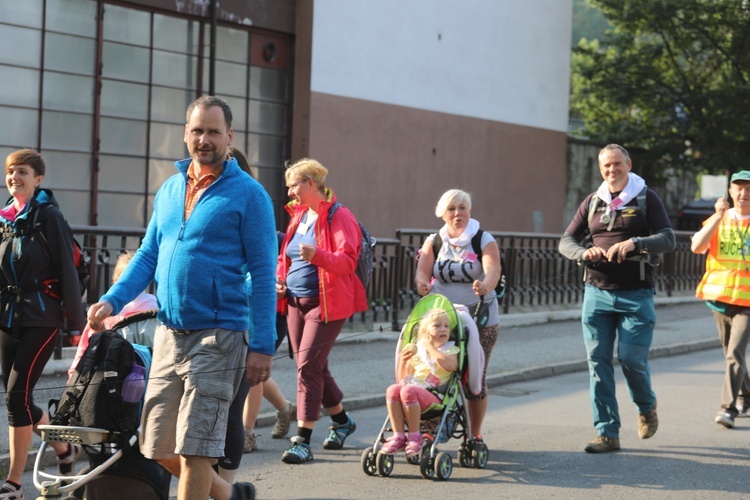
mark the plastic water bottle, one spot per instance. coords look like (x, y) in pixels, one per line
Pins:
(134, 384)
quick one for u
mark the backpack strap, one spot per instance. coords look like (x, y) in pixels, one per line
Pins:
(643, 206)
(114, 385)
(476, 244)
(335, 206)
(593, 205)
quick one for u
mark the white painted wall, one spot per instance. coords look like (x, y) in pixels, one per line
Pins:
(500, 60)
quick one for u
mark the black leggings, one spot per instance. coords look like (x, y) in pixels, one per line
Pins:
(23, 360)
(234, 444)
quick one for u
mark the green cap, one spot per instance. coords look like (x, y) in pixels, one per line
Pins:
(742, 175)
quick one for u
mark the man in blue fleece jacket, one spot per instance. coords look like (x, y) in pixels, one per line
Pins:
(211, 223)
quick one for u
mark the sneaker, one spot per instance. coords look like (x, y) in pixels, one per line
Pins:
(10, 492)
(393, 445)
(65, 464)
(603, 444)
(298, 453)
(250, 443)
(338, 433)
(725, 418)
(243, 491)
(742, 410)
(283, 418)
(647, 424)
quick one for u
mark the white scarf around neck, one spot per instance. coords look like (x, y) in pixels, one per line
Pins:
(634, 186)
(465, 238)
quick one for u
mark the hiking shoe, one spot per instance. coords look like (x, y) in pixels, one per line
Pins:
(243, 491)
(647, 424)
(337, 434)
(250, 443)
(10, 492)
(298, 453)
(742, 410)
(66, 463)
(725, 418)
(283, 418)
(603, 444)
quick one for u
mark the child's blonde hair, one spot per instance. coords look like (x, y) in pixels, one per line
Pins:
(431, 317)
(122, 262)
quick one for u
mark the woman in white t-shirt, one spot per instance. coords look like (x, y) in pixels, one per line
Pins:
(457, 272)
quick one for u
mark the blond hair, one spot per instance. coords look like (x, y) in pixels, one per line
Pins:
(122, 262)
(452, 196)
(307, 168)
(429, 318)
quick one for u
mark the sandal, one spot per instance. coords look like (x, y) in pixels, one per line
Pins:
(393, 445)
(414, 446)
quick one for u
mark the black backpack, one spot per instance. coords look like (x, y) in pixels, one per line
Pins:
(95, 397)
(78, 258)
(476, 245)
(366, 259)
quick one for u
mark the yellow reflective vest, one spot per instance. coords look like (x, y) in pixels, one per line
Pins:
(727, 277)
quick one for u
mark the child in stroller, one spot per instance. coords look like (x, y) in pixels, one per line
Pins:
(436, 353)
(424, 370)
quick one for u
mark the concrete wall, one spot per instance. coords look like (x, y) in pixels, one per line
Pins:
(408, 99)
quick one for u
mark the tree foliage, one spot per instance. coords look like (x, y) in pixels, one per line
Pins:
(671, 79)
(588, 22)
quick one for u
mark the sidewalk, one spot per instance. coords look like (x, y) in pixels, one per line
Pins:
(516, 358)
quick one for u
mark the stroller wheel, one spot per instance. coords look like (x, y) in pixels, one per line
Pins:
(427, 466)
(385, 464)
(368, 461)
(443, 466)
(464, 457)
(480, 454)
(414, 459)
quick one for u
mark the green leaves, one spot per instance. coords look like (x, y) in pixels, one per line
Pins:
(671, 78)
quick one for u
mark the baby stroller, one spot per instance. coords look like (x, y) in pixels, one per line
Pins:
(439, 422)
(116, 467)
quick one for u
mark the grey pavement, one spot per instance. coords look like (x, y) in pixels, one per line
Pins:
(531, 346)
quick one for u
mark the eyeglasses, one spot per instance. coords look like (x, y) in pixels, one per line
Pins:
(290, 186)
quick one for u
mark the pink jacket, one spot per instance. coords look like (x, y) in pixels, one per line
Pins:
(338, 247)
(144, 302)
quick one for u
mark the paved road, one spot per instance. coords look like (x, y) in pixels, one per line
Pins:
(363, 364)
(536, 431)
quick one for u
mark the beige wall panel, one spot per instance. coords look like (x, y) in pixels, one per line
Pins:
(390, 165)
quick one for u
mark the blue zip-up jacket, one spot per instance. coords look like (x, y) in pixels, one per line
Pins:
(199, 265)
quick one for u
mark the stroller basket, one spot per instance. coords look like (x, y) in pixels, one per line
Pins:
(77, 435)
(73, 435)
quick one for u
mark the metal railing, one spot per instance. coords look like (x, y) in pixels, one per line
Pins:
(537, 275)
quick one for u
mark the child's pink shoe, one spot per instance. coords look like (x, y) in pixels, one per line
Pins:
(393, 445)
(414, 445)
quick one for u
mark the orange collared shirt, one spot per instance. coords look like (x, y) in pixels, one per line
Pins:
(195, 188)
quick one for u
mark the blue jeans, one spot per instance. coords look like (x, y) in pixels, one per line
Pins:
(605, 314)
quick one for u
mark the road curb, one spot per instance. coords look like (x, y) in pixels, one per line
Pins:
(523, 375)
